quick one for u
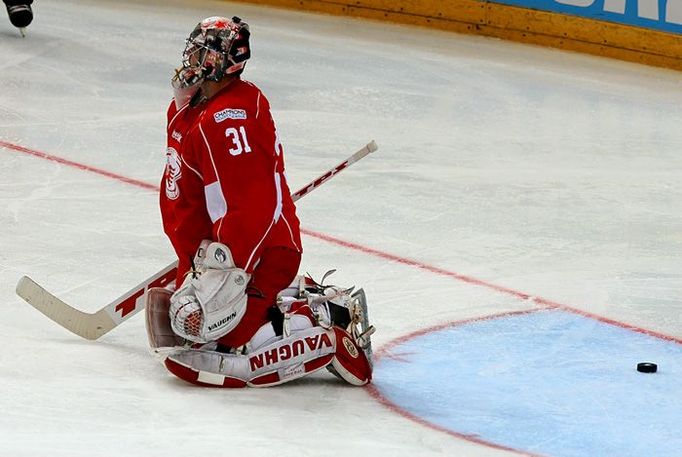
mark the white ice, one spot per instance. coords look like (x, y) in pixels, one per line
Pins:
(546, 172)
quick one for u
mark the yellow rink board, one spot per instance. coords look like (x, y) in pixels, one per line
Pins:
(512, 23)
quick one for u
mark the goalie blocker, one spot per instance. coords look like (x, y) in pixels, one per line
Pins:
(314, 327)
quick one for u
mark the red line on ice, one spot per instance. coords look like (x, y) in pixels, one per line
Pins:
(80, 166)
(367, 250)
(478, 282)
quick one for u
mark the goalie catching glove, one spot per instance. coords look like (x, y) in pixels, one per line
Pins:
(211, 301)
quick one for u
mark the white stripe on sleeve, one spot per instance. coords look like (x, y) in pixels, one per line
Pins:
(215, 201)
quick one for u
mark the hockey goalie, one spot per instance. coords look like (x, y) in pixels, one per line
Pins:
(240, 315)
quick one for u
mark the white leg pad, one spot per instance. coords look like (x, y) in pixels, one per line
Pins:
(304, 352)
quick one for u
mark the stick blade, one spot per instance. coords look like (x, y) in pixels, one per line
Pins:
(86, 325)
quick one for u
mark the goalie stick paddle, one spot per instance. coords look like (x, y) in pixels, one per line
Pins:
(92, 326)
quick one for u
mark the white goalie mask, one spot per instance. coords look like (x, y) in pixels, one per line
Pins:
(217, 47)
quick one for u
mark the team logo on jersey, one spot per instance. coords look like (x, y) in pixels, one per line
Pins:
(177, 136)
(229, 113)
(173, 173)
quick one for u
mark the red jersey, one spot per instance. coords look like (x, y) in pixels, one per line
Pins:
(224, 178)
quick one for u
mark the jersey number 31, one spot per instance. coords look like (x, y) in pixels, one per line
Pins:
(239, 141)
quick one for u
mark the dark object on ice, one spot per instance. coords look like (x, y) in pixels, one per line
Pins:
(647, 367)
(20, 12)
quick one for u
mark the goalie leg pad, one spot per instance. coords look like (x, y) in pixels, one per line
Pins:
(300, 354)
(350, 362)
(207, 368)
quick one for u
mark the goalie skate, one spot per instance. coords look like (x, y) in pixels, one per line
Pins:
(361, 329)
(337, 306)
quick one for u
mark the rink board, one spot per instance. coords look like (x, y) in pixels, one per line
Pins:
(566, 27)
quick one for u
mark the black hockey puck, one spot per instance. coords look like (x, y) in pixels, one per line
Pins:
(647, 367)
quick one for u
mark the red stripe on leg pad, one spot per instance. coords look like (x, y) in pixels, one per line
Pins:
(269, 379)
(198, 378)
(316, 364)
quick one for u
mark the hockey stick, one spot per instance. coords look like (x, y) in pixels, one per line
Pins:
(369, 148)
(93, 325)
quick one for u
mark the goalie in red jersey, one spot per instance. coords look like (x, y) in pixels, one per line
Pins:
(225, 179)
(228, 212)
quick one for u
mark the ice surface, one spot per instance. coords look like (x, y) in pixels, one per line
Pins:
(548, 173)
